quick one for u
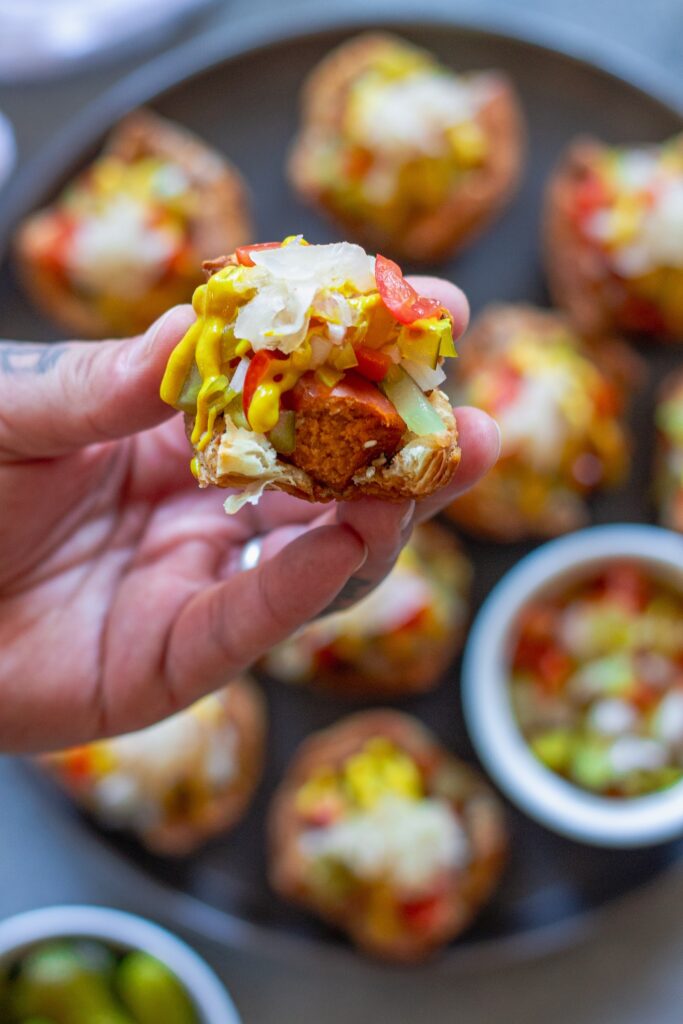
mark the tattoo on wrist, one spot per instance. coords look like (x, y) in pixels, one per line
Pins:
(23, 357)
(355, 589)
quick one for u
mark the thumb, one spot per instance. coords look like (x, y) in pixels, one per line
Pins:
(57, 398)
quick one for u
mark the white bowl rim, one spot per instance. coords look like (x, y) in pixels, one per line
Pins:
(24, 930)
(545, 796)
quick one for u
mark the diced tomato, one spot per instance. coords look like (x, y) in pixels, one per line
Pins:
(55, 234)
(509, 383)
(258, 367)
(590, 195)
(372, 364)
(242, 251)
(421, 914)
(357, 163)
(554, 668)
(607, 400)
(399, 297)
(78, 764)
(627, 585)
(638, 314)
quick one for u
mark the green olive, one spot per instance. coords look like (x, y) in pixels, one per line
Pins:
(151, 992)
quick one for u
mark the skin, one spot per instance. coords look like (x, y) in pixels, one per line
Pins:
(122, 598)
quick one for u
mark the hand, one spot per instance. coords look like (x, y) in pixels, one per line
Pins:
(122, 594)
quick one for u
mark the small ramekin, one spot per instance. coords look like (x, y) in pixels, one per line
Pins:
(539, 792)
(123, 932)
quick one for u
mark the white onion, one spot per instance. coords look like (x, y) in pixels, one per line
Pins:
(425, 378)
(237, 382)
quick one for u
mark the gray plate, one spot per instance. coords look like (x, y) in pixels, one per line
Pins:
(239, 93)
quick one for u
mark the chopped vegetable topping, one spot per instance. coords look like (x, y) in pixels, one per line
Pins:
(597, 681)
(400, 297)
(372, 818)
(284, 310)
(631, 208)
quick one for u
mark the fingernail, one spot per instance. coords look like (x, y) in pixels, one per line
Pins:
(152, 332)
(500, 438)
(364, 546)
(407, 517)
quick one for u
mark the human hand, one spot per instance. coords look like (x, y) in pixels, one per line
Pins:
(123, 589)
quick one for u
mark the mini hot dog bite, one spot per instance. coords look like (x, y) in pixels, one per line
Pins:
(315, 369)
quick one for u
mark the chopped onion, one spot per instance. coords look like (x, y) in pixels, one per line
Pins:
(237, 382)
(320, 350)
(423, 375)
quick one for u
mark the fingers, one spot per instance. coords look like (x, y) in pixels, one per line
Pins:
(224, 629)
(57, 398)
(479, 438)
(449, 295)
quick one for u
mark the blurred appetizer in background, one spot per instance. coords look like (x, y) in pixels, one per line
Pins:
(669, 457)
(614, 238)
(597, 681)
(396, 641)
(126, 239)
(315, 369)
(176, 783)
(560, 409)
(406, 155)
(384, 834)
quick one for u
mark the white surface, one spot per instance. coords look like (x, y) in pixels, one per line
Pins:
(539, 792)
(20, 933)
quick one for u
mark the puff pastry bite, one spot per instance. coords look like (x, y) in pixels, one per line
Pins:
(560, 405)
(126, 239)
(177, 783)
(613, 236)
(406, 155)
(315, 369)
(384, 834)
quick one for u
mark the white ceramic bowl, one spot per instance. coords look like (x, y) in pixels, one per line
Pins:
(122, 931)
(539, 792)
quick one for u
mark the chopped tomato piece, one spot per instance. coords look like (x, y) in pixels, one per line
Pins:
(242, 251)
(258, 367)
(372, 364)
(51, 238)
(78, 763)
(420, 914)
(590, 195)
(399, 297)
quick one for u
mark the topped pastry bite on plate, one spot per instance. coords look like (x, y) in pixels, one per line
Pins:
(669, 458)
(126, 239)
(406, 155)
(399, 639)
(380, 831)
(560, 407)
(614, 238)
(315, 369)
(179, 782)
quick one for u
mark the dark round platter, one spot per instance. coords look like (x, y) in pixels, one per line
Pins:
(239, 92)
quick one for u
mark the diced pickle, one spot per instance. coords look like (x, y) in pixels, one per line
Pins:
(152, 993)
(55, 983)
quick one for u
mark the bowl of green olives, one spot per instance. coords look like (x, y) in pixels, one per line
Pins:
(81, 965)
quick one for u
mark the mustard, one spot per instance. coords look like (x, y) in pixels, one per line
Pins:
(281, 376)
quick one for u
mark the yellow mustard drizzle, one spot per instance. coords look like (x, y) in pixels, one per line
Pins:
(281, 376)
(210, 345)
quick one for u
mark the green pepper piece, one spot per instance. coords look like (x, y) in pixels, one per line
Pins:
(553, 748)
(283, 435)
(590, 766)
(55, 983)
(187, 399)
(152, 993)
